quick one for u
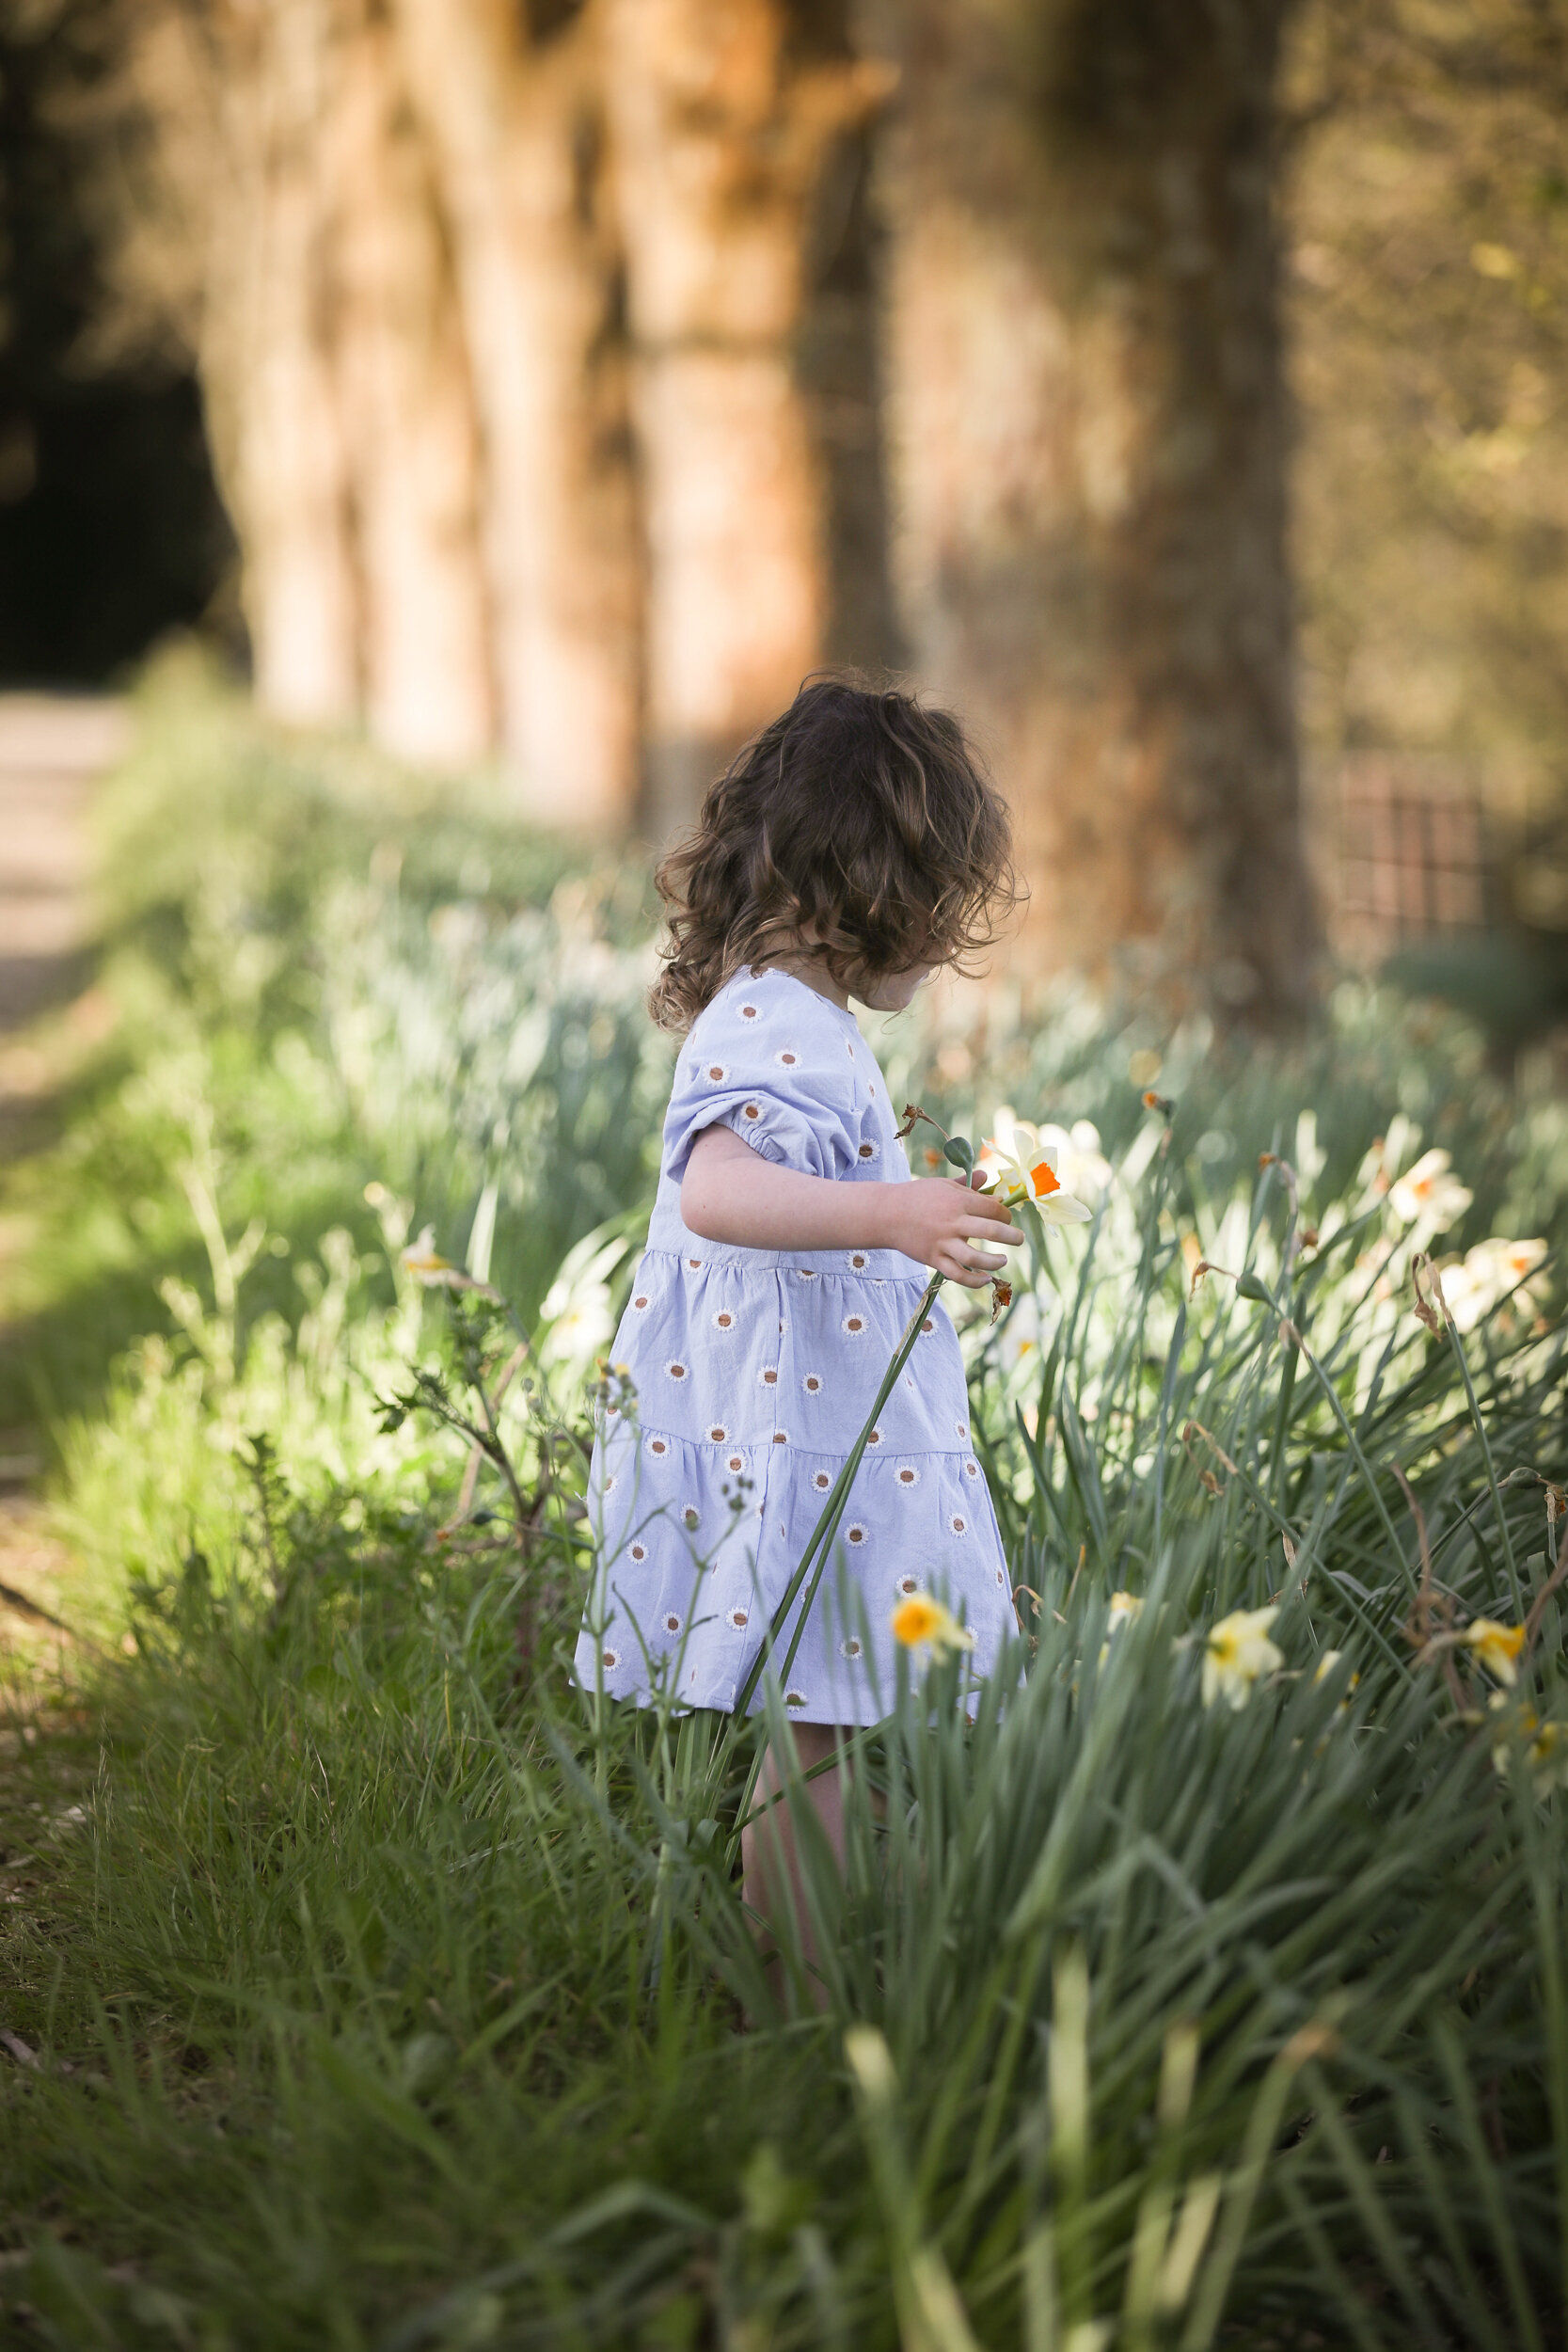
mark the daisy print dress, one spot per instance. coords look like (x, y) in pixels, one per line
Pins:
(754, 1373)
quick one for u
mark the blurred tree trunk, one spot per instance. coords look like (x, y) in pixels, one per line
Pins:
(513, 115)
(719, 138)
(1089, 422)
(404, 401)
(239, 104)
(839, 366)
(289, 226)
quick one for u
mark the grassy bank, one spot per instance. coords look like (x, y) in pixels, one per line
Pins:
(382, 1993)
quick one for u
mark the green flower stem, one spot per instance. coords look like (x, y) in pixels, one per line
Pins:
(1359, 1454)
(1495, 1491)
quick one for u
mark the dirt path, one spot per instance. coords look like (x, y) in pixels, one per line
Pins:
(53, 750)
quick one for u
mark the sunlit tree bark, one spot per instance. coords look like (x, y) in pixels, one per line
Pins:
(403, 398)
(719, 138)
(241, 101)
(514, 117)
(1089, 452)
(286, 227)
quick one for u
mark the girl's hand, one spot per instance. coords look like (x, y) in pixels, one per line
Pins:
(933, 1220)
(731, 1194)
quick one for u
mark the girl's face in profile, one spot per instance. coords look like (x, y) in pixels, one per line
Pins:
(893, 991)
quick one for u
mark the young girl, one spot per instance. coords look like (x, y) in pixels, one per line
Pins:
(851, 850)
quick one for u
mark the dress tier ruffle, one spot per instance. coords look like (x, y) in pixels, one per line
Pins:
(753, 1372)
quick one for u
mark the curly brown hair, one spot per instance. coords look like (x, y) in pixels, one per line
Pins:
(858, 825)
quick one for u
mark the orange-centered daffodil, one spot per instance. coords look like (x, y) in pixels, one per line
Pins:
(1024, 1168)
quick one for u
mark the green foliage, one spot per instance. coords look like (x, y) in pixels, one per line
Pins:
(385, 1991)
(321, 979)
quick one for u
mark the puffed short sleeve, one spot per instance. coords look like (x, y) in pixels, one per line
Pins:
(776, 1065)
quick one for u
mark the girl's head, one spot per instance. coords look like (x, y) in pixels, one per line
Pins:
(856, 828)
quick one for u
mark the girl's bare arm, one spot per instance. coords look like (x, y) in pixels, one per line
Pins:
(731, 1194)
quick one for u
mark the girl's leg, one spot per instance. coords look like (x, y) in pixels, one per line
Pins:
(774, 1880)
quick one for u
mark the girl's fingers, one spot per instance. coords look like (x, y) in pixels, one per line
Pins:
(973, 1268)
(989, 1207)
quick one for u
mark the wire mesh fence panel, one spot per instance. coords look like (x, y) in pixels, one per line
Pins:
(1411, 857)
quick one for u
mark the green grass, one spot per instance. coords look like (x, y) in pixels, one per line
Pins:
(388, 1994)
(337, 978)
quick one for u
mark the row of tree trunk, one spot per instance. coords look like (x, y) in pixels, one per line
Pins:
(572, 399)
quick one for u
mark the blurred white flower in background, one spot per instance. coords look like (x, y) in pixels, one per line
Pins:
(1478, 1284)
(1126, 1608)
(422, 1263)
(577, 1316)
(1429, 1194)
(1498, 1647)
(1023, 1332)
(1236, 1653)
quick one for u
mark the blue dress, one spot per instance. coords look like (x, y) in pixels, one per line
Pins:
(754, 1373)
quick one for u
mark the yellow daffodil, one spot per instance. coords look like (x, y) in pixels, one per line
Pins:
(1547, 1757)
(1545, 1744)
(1496, 1645)
(921, 1623)
(1024, 1168)
(1236, 1653)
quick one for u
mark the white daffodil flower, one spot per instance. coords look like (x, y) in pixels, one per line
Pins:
(420, 1263)
(1126, 1608)
(577, 1317)
(1074, 1152)
(1498, 1647)
(1488, 1274)
(1429, 1194)
(1024, 1168)
(1237, 1652)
